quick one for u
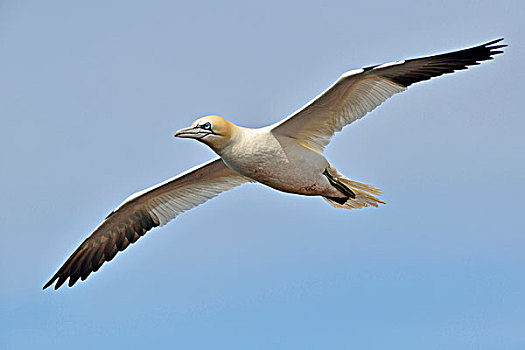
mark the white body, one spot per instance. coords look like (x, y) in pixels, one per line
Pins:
(279, 162)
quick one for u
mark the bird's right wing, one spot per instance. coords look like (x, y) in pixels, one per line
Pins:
(144, 210)
(359, 91)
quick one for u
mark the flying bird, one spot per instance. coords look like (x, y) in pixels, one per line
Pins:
(286, 156)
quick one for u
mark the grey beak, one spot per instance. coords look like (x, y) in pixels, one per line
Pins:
(186, 132)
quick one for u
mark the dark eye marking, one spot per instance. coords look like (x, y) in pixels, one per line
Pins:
(206, 126)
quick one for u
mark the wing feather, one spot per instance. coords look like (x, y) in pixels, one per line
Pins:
(143, 211)
(360, 91)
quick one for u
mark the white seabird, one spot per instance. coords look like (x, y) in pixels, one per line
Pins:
(286, 156)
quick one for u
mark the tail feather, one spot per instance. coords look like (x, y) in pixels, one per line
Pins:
(364, 195)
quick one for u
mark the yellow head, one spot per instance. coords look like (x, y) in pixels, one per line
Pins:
(212, 130)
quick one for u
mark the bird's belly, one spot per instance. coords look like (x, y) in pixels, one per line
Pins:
(287, 178)
(295, 171)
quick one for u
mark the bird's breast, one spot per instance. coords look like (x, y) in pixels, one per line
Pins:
(279, 163)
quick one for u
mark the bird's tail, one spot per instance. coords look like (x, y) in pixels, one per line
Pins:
(364, 195)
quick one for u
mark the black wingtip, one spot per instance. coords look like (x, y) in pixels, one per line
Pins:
(493, 42)
(48, 284)
(490, 45)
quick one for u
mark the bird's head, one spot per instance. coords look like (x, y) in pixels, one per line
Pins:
(212, 130)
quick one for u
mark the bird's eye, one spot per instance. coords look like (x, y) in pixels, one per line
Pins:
(206, 126)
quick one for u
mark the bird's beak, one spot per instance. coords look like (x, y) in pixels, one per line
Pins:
(192, 133)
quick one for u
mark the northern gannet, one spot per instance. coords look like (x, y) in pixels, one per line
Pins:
(286, 156)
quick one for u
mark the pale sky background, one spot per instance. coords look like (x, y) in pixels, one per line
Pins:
(92, 92)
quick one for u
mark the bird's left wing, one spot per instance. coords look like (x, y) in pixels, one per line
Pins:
(144, 210)
(359, 91)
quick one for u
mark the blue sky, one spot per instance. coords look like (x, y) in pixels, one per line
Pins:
(90, 97)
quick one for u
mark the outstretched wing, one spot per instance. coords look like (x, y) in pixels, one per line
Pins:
(359, 91)
(144, 210)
